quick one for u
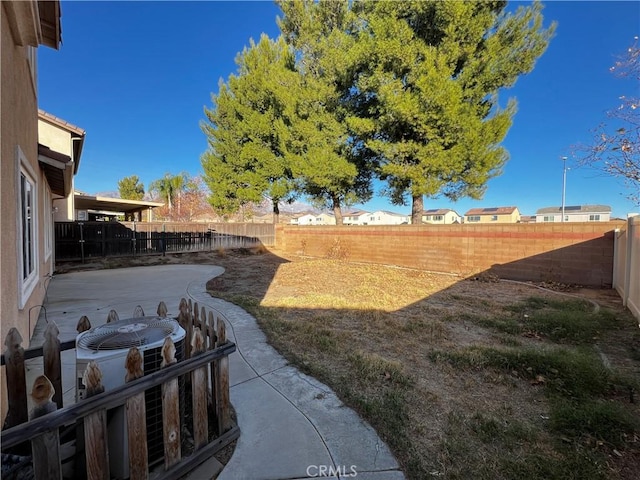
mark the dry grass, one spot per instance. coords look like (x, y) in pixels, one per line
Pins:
(370, 332)
(450, 371)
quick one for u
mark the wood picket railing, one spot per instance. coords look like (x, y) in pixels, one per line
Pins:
(204, 373)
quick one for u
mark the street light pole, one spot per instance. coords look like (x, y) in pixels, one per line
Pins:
(564, 183)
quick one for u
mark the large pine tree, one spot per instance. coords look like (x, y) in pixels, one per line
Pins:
(248, 130)
(425, 93)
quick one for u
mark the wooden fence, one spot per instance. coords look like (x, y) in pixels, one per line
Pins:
(195, 388)
(82, 240)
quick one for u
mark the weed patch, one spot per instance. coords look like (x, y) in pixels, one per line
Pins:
(600, 420)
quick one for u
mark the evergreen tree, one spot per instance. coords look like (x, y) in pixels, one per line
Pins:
(131, 188)
(248, 130)
(329, 168)
(425, 93)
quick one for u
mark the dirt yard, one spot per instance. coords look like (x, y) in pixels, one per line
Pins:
(464, 378)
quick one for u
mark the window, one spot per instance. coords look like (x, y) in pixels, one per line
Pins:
(427, 218)
(437, 218)
(548, 218)
(594, 218)
(494, 218)
(27, 231)
(474, 218)
(372, 219)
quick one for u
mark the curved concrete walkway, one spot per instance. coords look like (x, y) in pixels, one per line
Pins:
(292, 426)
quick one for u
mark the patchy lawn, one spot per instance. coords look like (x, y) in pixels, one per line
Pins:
(464, 378)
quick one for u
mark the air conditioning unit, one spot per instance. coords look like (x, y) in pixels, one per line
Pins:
(108, 345)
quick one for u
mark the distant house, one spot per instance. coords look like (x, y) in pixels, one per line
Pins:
(527, 219)
(575, 213)
(441, 216)
(314, 219)
(383, 217)
(353, 217)
(493, 215)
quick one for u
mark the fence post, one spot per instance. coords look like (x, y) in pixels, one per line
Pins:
(164, 240)
(136, 420)
(222, 383)
(133, 239)
(95, 428)
(16, 380)
(628, 267)
(211, 330)
(51, 358)
(46, 447)
(81, 225)
(170, 409)
(199, 393)
(103, 234)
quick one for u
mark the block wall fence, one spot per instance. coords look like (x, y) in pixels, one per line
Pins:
(576, 253)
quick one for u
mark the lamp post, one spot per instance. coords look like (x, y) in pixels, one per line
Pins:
(564, 183)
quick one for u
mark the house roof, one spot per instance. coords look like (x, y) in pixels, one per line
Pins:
(573, 209)
(354, 213)
(107, 204)
(35, 23)
(394, 214)
(49, 12)
(491, 211)
(438, 211)
(76, 132)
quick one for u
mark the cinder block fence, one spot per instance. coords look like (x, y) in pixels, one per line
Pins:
(577, 253)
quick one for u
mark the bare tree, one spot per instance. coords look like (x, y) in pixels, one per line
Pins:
(615, 149)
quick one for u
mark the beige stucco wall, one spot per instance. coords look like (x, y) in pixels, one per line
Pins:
(54, 137)
(502, 218)
(65, 210)
(447, 218)
(59, 140)
(18, 127)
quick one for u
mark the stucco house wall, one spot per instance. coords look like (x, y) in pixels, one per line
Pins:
(382, 217)
(581, 213)
(20, 307)
(66, 139)
(441, 217)
(492, 215)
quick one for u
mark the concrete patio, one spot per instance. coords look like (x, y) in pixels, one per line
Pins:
(292, 426)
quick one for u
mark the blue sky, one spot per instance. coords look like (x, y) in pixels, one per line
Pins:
(137, 76)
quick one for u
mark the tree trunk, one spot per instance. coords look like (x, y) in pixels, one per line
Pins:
(276, 212)
(337, 211)
(417, 207)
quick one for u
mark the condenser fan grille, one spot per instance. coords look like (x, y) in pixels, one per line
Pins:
(127, 333)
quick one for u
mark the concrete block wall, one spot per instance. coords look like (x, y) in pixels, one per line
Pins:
(577, 253)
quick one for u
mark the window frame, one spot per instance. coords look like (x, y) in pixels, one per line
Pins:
(26, 282)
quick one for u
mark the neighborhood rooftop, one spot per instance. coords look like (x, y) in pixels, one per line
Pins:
(576, 208)
(491, 211)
